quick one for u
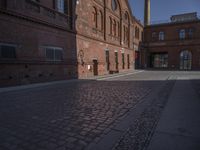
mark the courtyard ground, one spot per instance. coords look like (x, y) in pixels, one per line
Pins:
(138, 110)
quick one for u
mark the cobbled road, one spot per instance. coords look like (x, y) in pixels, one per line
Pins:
(70, 116)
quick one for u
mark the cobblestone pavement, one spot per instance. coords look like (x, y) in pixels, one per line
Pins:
(139, 133)
(70, 116)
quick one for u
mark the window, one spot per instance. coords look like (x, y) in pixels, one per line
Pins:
(64, 6)
(159, 60)
(182, 34)
(118, 26)
(126, 16)
(114, 28)
(7, 51)
(128, 61)
(185, 60)
(61, 6)
(94, 13)
(123, 61)
(54, 54)
(124, 33)
(116, 60)
(190, 33)
(101, 20)
(137, 32)
(107, 60)
(114, 5)
(161, 36)
(110, 26)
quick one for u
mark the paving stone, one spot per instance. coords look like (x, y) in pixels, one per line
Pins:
(67, 113)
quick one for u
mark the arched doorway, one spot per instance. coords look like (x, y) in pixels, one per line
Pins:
(185, 60)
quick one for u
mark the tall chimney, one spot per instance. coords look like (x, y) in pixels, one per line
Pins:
(147, 12)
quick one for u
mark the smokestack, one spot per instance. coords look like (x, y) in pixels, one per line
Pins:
(147, 13)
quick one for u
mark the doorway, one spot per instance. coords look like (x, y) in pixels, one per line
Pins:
(95, 67)
(107, 60)
(116, 61)
(186, 60)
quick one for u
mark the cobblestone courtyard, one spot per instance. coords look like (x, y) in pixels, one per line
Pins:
(79, 114)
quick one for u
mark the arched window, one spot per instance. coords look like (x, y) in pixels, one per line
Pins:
(161, 36)
(185, 60)
(118, 28)
(101, 21)
(114, 28)
(127, 35)
(124, 33)
(110, 25)
(126, 17)
(182, 34)
(114, 5)
(137, 32)
(94, 17)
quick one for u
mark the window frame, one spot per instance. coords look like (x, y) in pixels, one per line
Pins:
(60, 6)
(191, 33)
(161, 36)
(54, 53)
(9, 45)
(182, 34)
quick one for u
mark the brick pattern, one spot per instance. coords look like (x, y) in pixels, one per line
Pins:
(65, 116)
(31, 26)
(172, 44)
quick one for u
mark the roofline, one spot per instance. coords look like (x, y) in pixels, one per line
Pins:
(134, 19)
(172, 23)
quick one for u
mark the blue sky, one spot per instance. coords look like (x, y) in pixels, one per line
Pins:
(162, 9)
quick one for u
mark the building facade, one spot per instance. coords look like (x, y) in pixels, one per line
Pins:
(174, 45)
(44, 40)
(105, 43)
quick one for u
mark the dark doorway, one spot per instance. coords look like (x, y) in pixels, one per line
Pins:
(137, 59)
(116, 61)
(123, 61)
(128, 61)
(159, 60)
(95, 67)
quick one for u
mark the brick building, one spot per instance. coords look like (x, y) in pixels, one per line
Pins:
(173, 45)
(105, 37)
(44, 40)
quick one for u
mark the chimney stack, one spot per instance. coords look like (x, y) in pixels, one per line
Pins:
(147, 13)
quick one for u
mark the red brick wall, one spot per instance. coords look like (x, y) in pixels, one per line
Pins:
(31, 26)
(172, 44)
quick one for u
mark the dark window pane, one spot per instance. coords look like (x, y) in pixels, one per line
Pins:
(8, 51)
(50, 54)
(3, 4)
(58, 55)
